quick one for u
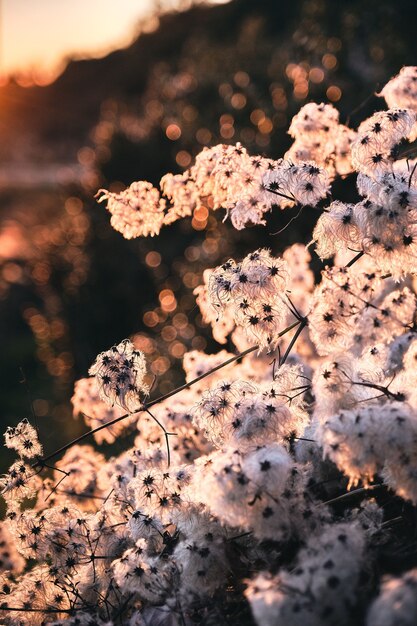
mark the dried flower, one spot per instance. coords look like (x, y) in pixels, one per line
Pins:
(119, 374)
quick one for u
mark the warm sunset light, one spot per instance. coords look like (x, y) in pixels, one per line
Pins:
(38, 36)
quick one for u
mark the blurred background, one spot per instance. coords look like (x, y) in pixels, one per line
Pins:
(95, 94)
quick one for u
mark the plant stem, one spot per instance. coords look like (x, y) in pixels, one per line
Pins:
(302, 325)
(355, 492)
(355, 258)
(283, 195)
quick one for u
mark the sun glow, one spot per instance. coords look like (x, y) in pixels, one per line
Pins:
(38, 38)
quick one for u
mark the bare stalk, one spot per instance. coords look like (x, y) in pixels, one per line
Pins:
(302, 325)
(355, 492)
(355, 258)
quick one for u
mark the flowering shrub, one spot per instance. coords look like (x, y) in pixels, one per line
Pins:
(266, 489)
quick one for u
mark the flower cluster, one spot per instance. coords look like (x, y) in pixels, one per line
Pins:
(261, 490)
(87, 402)
(401, 91)
(119, 374)
(397, 602)
(222, 177)
(251, 294)
(24, 439)
(243, 414)
(322, 587)
(377, 138)
(375, 439)
(352, 307)
(137, 211)
(320, 138)
(383, 224)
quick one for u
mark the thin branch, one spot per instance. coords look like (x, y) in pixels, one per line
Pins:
(384, 390)
(394, 520)
(166, 433)
(361, 105)
(281, 230)
(302, 325)
(355, 258)
(294, 309)
(305, 439)
(283, 195)
(411, 175)
(355, 492)
(247, 534)
(66, 474)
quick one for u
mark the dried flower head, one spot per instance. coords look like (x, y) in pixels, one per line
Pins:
(24, 439)
(119, 374)
(137, 211)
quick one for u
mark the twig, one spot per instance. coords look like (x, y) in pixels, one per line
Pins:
(24, 382)
(361, 105)
(166, 433)
(247, 534)
(355, 258)
(355, 492)
(394, 520)
(411, 175)
(305, 439)
(281, 230)
(302, 325)
(283, 195)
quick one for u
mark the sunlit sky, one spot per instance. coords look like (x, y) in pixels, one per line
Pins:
(40, 34)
